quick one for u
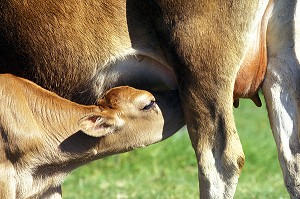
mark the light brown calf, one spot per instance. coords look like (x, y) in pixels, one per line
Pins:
(44, 137)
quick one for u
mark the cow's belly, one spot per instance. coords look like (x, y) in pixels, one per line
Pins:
(138, 71)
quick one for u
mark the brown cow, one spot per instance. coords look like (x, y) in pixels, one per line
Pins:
(45, 137)
(79, 49)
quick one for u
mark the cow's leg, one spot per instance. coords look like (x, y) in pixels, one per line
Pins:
(282, 89)
(282, 96)
(214, 138)
(205, 42)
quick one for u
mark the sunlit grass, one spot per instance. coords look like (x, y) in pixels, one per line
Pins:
(168, 169)
(261, 176)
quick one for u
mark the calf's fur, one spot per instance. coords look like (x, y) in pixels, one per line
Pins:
(44, 137)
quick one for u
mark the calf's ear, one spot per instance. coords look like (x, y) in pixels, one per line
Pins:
(98, 126)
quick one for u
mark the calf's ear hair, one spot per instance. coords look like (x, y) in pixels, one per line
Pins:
(98, 126)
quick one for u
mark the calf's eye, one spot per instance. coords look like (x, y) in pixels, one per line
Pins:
(149, 106)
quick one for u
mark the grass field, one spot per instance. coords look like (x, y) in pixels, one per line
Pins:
(168, 169)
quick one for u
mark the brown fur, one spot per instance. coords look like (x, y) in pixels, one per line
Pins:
(79, 49)
(45, 137)
(67, 24)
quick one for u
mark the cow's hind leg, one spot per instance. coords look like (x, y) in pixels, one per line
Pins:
(282, 89)
(205, 42)
(215, 141)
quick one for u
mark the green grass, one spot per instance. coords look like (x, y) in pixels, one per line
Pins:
(168, 169)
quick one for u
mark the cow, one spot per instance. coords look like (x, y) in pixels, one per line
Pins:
(44, 137)
(198, 55)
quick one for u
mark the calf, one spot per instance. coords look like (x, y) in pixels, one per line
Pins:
(45, 137)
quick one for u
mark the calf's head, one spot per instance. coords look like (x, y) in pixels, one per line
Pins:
(129, 118)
